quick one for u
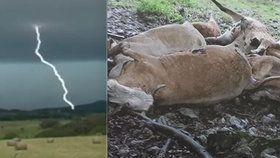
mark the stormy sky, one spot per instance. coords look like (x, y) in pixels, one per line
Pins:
(73, 39)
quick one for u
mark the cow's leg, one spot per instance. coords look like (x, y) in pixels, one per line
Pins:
(269, 89)
(134, 98)
(274, 50)
(254, 84)
(124, 48)
(134, 55)
(270, 93)
(115, 50)
(223, 40)
(120, 61)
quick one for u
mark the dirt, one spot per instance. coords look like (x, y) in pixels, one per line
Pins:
(127, 23)
(240, 127)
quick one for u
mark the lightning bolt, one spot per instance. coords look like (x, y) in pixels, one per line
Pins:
(53, 68)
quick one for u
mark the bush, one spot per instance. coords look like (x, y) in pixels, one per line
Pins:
(49, 123)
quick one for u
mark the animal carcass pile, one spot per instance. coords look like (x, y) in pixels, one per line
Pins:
(175, 64)
(193, 64)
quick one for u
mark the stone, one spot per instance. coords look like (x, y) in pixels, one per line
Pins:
(189, 113)
(154, 149)
(124, 151)
(120, 31)
(253, 131)
(271, 116)
(266, 120)
(236, 122)
(267, 153)
(202, 139)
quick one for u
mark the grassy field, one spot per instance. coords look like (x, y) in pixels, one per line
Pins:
(23, 129)
(269, 9)
(68, 147)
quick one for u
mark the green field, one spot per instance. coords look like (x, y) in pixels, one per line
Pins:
(269, 9)
(23, 129)
(67, 147)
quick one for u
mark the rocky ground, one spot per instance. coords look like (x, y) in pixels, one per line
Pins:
(240, 127)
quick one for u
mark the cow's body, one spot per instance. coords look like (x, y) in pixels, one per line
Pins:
(166, 39)
(159, 41)
(203, 76)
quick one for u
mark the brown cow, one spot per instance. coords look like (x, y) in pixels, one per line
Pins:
(207, 75)
(165, 40)
(159, 41)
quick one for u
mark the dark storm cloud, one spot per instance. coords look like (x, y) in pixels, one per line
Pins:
(71, 29)
(73, 39)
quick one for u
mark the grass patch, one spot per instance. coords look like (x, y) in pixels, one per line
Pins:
(69, 147)
(167, 8)
(77, 126)
(266, 10)
(170, 9)
(23, 129)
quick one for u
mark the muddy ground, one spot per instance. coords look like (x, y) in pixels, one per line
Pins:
(240, 127)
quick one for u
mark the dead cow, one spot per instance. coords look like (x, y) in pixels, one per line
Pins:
(207, 75)
(158, 41)
(165, 40)
(208, 29)
(255, 36)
